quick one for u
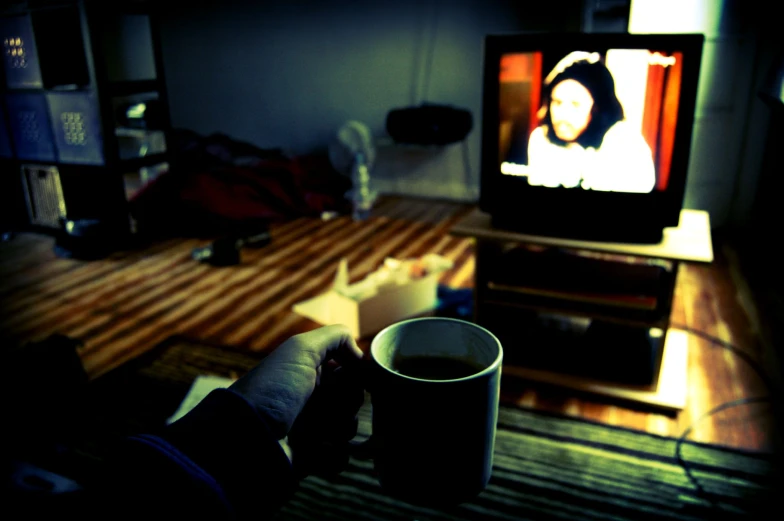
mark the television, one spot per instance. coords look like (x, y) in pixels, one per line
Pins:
(587, 135)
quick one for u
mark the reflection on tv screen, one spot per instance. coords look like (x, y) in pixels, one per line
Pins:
(596, 121)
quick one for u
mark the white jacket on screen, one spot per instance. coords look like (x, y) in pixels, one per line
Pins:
(623, 163)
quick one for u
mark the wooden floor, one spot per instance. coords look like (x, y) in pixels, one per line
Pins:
(124, 305)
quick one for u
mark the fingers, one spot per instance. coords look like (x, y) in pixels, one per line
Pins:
(342, 393)
(331, 412)
(320, 435)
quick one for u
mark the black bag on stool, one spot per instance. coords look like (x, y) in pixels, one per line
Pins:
(429, 124)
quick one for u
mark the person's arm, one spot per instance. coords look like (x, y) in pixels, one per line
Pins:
(222, 460)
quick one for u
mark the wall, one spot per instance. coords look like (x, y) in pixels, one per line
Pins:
(288, 74)
(730, 120)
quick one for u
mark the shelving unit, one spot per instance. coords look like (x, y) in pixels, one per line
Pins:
(590, 316)
(84, 111)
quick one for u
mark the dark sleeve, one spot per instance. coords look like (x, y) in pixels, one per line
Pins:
(219, 460)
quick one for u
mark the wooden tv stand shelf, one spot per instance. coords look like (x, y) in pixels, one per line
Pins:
(590, 316)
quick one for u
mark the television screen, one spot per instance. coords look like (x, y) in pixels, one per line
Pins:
(588, 114)
(598, 121)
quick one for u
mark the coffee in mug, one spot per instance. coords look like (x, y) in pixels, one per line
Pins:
(434, 393)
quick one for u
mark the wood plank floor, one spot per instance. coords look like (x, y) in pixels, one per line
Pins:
(126, 304)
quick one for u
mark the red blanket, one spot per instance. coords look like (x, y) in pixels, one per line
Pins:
(218, 185)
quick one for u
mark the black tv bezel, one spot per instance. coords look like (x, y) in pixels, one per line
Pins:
(579, 213)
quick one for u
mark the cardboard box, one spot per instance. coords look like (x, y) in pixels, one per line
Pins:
(384, 297)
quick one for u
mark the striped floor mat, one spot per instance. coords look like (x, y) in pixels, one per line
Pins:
(546, 466)
(549, 467)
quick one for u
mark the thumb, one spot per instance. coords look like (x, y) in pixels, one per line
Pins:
(326, 343)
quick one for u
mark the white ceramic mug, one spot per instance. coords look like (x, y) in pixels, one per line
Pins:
(434, 389)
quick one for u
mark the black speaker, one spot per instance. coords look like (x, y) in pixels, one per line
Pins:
(429, 124)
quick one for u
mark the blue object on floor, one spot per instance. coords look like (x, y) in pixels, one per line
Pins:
(455, 303)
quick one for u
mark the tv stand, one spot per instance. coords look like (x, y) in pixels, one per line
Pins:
(592, 316)
(646, 233)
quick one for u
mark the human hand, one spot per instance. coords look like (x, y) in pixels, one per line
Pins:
(281, 385)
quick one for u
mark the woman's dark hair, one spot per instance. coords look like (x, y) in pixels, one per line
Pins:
(606, 111)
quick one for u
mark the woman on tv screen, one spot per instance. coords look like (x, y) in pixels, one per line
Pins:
(582, 138)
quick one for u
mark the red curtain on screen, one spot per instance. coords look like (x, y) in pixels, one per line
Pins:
(520, 84)
(661, 114)
(536, 91)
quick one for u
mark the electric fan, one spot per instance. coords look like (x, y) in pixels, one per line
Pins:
(352, 153)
